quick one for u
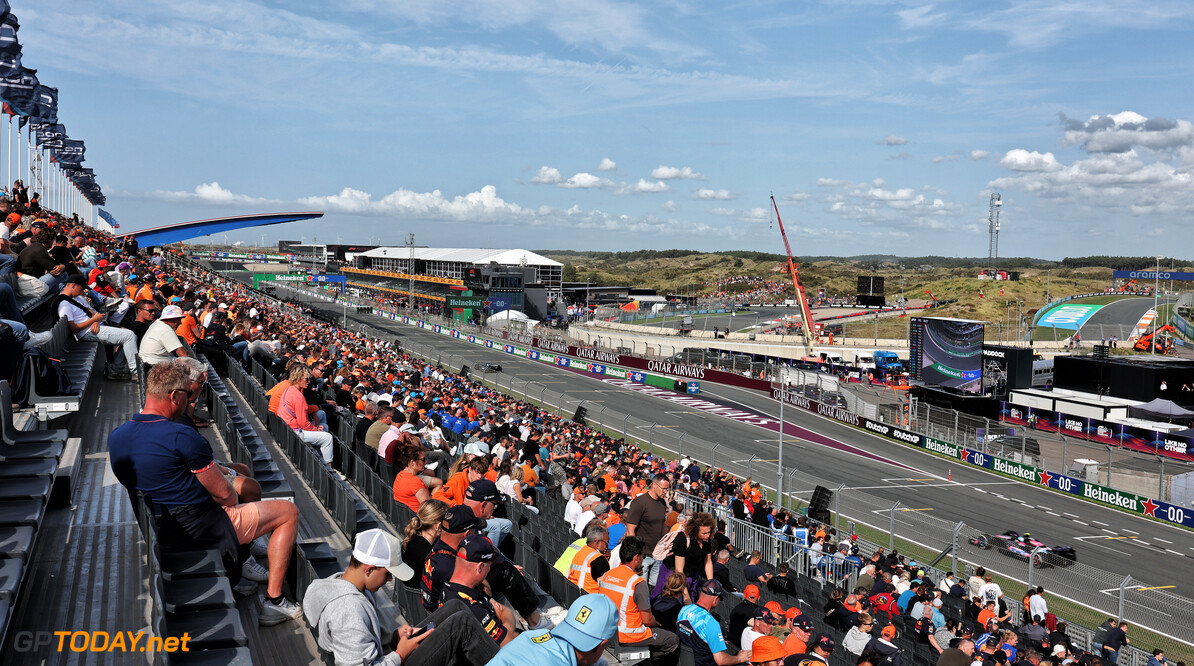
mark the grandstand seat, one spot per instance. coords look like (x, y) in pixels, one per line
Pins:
(78, 361)
(16, 542)
(196, 594)
(11, 572)
(13, 436)
(15, 469)
(32, 487)
(220, 628)
(21, 512)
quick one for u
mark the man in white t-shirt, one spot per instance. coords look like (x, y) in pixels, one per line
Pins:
(85, 324)
(161, 343)
(764, 620)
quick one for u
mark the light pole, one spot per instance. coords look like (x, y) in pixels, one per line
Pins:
(410, 274)
(779, 480)
(1152, 347)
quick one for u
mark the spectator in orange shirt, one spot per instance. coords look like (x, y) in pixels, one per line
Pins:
(189, 329)
(452, 492)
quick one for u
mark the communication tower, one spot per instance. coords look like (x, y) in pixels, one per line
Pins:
(993, 227)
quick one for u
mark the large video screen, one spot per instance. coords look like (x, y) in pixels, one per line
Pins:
(947, 353)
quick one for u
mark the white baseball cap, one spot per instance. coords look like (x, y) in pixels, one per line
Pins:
(172, 312)
(379, 548)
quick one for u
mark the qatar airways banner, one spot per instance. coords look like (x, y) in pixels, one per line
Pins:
(1153, 442)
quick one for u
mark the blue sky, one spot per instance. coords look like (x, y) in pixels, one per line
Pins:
(881, 127)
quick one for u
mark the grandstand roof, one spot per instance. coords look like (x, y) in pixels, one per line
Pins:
(181, 231)
(464, 255)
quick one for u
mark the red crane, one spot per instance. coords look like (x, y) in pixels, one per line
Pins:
(806, 315)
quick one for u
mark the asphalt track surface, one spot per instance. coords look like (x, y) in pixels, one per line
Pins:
(1126, 312)
(1104, 538)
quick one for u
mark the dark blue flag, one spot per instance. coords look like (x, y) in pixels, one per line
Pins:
(17, 91)
(10, 63)
(46, 100)
(8, 33)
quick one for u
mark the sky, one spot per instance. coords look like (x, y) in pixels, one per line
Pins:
(879, 126)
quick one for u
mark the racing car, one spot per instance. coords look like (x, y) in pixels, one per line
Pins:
(1021, 546)
(489, 367)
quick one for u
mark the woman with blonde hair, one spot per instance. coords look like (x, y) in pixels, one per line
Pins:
(421, 532)
(674, 596)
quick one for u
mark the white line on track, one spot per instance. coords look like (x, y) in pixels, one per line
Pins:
(1162, 540)
(1071, 515)
(1129, 531)
(1095, 522)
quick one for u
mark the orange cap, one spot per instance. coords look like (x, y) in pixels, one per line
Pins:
(766, 648)
(751, 593)
(792, 612)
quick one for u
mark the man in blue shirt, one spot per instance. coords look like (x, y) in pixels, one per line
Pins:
(579, 640)
(700, 630)
(193, 502)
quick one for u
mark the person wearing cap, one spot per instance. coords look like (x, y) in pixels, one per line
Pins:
(627, 588)
(701, 632)
(578, 640)
(482, 497)
(744, 611)
(343, 608)
(767, 651)
(802, 632)
(885, 647)
(760, 625)
(591, 562)
(587, 513)
(817, 655)
(161, 343)
(86, 324)
(474, 559)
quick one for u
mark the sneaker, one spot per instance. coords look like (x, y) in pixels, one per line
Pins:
(254, 571)
(277, 613)
(259, 547)
(38, 339)
(555, 614)
(112, 304)
(543, 623)
(244, 588)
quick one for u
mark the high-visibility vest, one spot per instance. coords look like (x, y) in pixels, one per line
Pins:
(565, 562)
(581, 571)
(619, 585)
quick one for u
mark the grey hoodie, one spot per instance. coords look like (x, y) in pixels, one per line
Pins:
(347, 622)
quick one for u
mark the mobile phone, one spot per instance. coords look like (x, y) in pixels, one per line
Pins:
(423, 630)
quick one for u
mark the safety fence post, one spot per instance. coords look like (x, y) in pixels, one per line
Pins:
(750, 469)
(1123, 587)
(954, 547)
(837, 504)
(891, 528)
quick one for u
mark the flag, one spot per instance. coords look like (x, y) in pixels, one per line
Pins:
(8, 31)
(17, 92)
(109, 219)
(10, 63)
(45, 100)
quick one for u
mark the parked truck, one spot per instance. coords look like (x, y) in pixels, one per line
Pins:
(888, 362)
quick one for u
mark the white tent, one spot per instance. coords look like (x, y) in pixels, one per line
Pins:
(507, 318)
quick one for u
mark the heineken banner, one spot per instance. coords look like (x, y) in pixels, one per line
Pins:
(462, 302)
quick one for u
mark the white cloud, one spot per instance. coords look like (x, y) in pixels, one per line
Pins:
(919, 17)
(547, 175)
(891, 208)
(743, 214)
(208, 194)
(607, 165)
(585, 181)
(670, 206)
(1111, 181)
(643, 186)
(1120, 132)
(893, 140)
(795, 198)
(674, 173)
(706, 194)
(944, 158)
(976, 155)
(1019, 159)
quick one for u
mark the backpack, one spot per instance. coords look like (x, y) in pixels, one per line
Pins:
(38, 370)
(664, 548)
